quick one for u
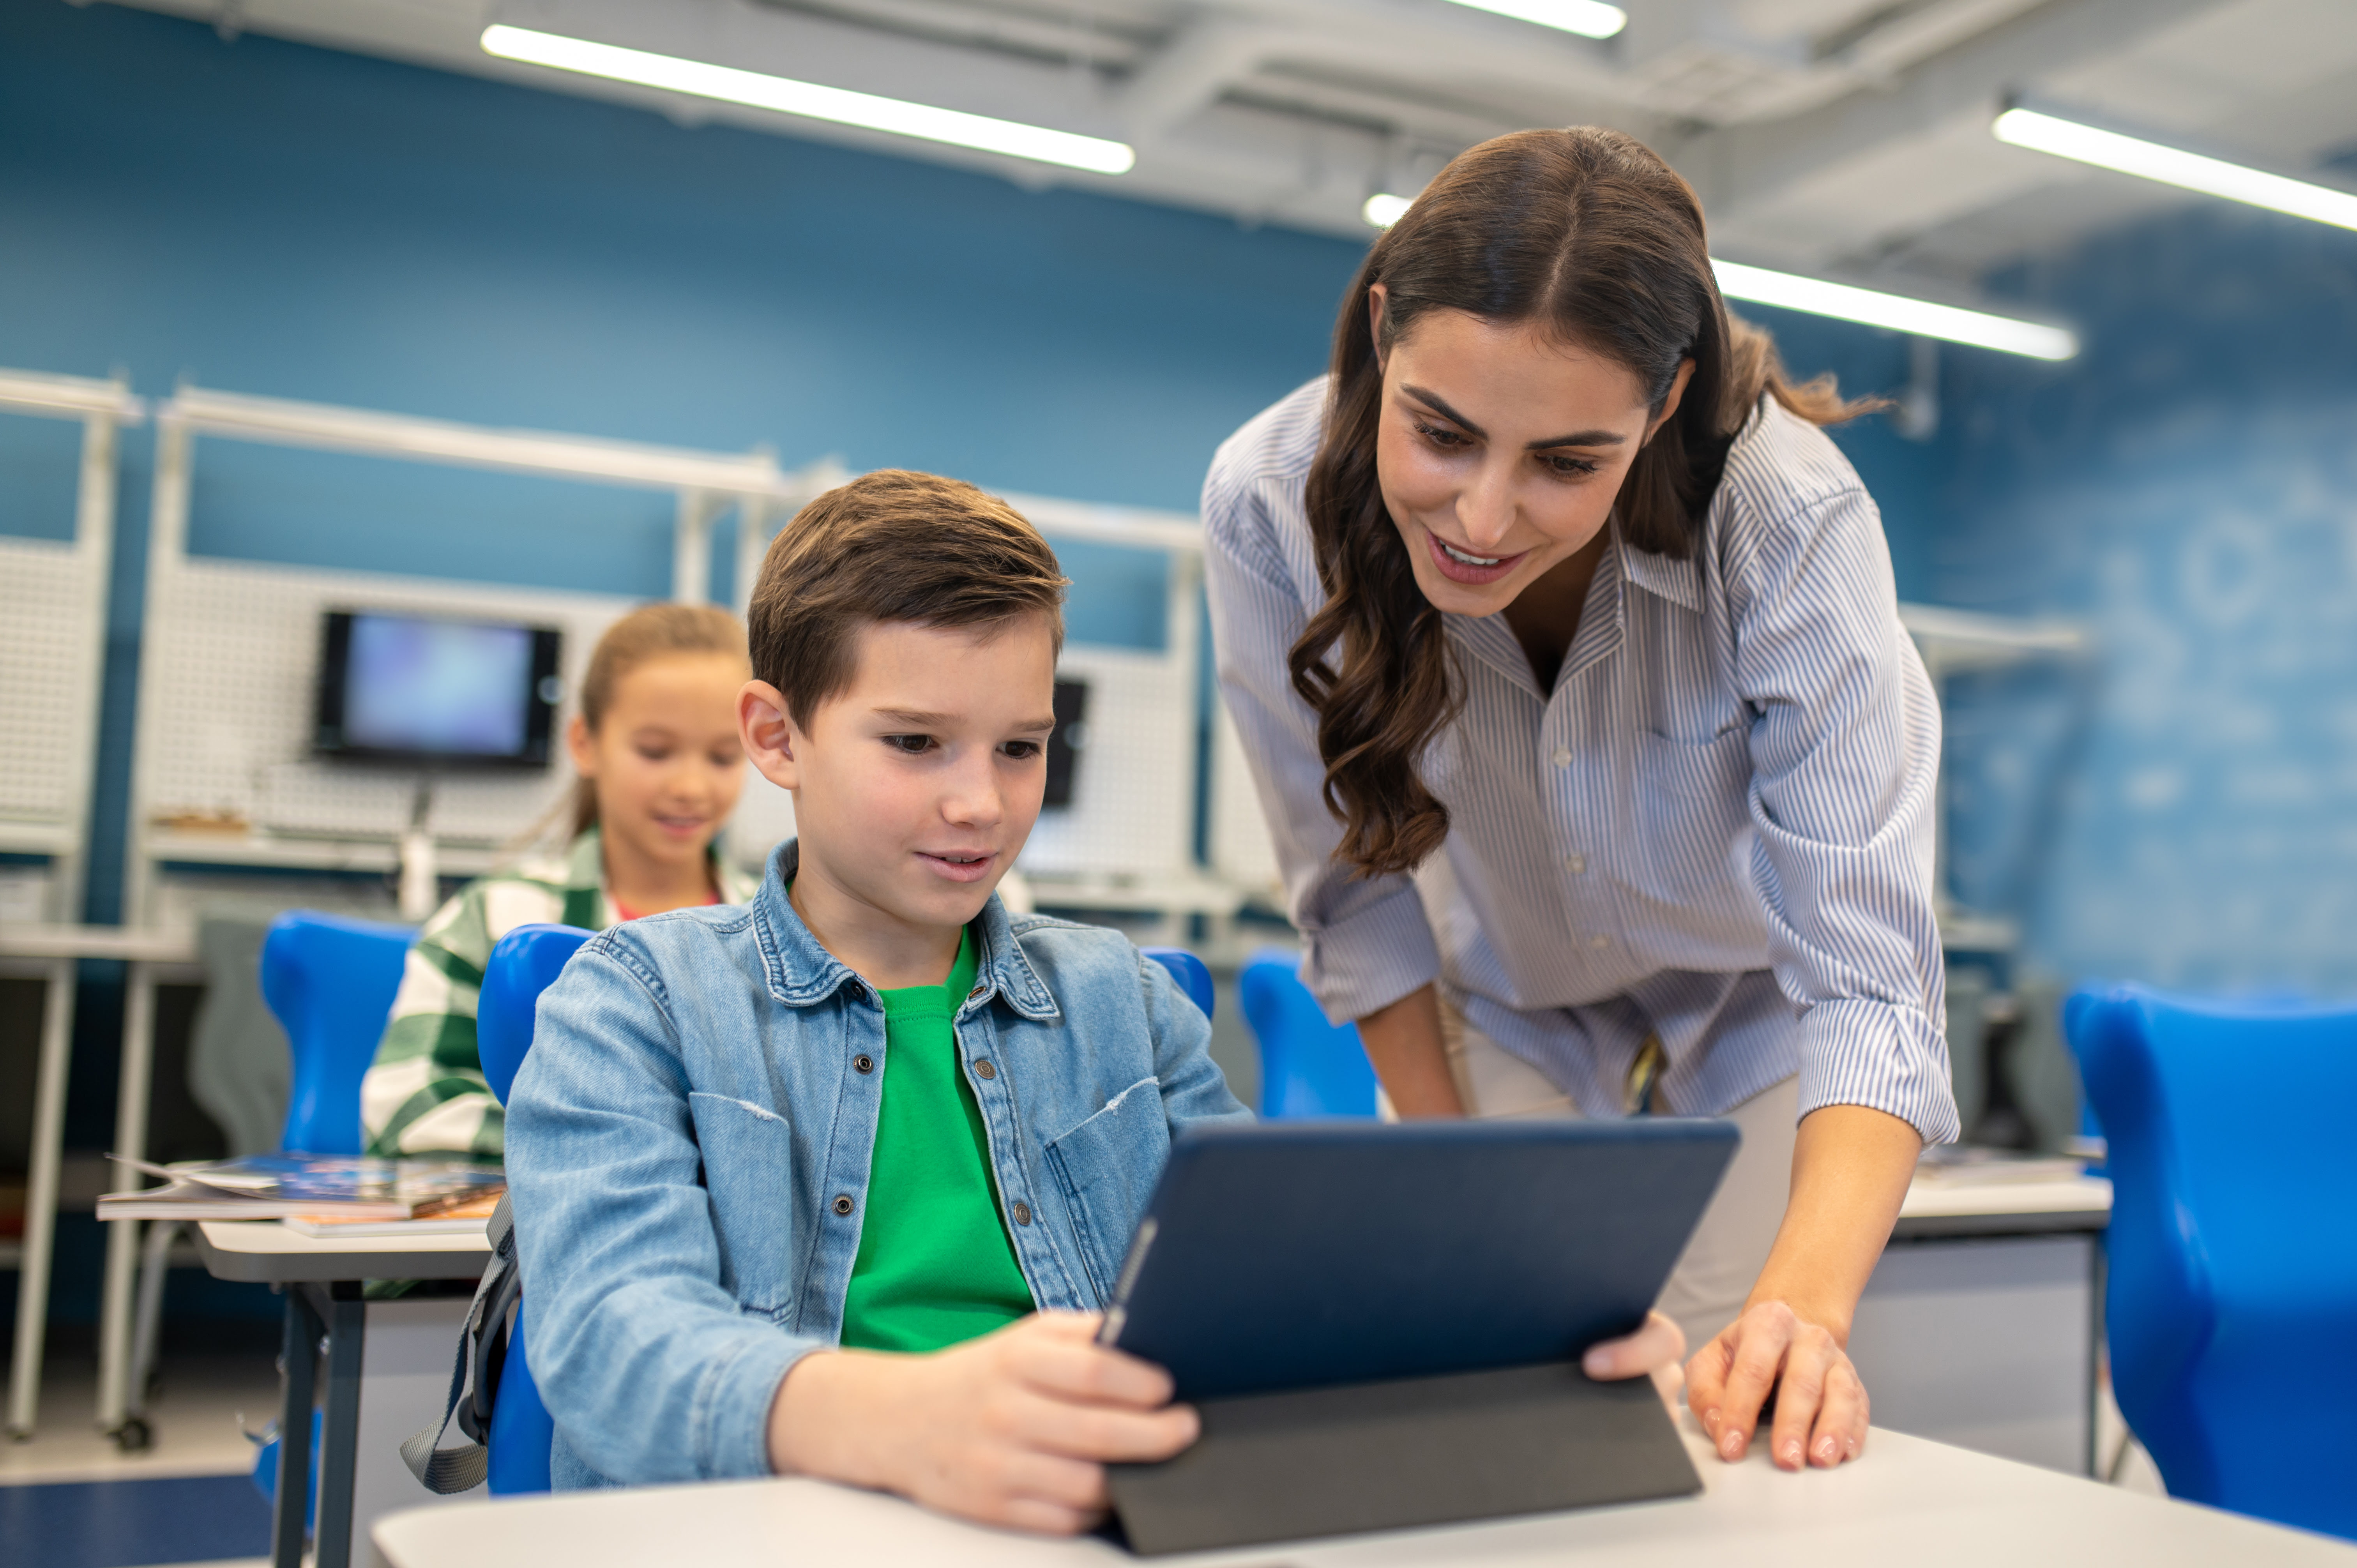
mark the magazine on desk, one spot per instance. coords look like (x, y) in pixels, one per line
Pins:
(330, 1192)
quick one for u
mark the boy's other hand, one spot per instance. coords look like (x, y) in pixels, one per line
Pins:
(1659, 1348)
(1012, 1429)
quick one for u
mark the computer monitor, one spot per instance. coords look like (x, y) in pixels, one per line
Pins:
(424, 691)
(1070, 737)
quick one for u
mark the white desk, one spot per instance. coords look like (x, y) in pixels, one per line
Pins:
(1908, 1501)
(322, 1276)
(52, 951)
(2003, 1283)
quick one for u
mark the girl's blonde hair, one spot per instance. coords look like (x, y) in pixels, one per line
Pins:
(647, 633)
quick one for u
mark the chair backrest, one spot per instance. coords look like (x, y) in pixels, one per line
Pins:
(331, 980)
(1187, 970)
(2233, 1281)
(521, 967)
(1308, 1068)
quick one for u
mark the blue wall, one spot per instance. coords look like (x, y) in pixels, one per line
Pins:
(2183, 807)
(266, 217)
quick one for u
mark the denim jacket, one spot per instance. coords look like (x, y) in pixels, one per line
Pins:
(688, 1147)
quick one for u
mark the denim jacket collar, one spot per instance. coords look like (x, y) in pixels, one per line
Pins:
(801, 972)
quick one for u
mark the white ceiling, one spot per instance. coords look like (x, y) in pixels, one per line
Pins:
(1842, 136)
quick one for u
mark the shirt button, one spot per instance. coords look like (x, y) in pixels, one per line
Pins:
(979, 992)
(983, 1069)
(842, 1204)
(1575, 864)
(864, 1062)
(1563, 756)
(1599, 941)
(1022, 1212)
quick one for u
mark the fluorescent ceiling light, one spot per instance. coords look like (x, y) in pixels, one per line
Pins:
(810, 101)
(2174, 165)
(1895, 311)
(1384, 210)
(1588, 19)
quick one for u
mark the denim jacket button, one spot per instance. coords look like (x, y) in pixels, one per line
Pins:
(983, 1069)
(979, 992)
(842, 1204)
(864, 1062)
(1022, 1212)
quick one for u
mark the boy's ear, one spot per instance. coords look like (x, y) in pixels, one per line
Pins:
(767, 732)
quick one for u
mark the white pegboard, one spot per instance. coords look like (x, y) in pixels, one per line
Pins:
(233, 695)
(1242, 851)
(44, 688)
(1133, 786)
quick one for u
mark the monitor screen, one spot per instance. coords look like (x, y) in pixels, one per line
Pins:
(418, 689)
(1070, 737)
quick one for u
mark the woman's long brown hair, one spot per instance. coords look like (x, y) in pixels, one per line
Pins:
(1588, 231)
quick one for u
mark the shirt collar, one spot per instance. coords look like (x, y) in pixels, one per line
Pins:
(1659, 575)
(802, 971)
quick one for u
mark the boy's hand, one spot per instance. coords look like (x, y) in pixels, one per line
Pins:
(1013, 1429)
(1657, 1348)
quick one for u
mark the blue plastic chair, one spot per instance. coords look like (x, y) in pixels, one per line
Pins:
(329, 980)
(2232, 1282)
(1188, 971)
(521, 966)
(1308, 1068)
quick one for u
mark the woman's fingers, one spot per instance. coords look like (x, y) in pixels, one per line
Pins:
(1840, 1431)
(1658, 1344)
(1820, 1406)
(1751, 1349)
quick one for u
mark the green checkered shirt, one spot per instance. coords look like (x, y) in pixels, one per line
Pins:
(425, 1092)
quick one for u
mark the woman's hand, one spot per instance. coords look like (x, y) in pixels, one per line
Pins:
(1820, 1404)
(1657, 1348)
(1013, 1429)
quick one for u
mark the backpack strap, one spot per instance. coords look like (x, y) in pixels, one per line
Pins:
(474, 1374)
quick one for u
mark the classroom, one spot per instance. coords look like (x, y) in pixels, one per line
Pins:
(1310, 781)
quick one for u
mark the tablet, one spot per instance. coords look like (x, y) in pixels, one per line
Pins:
(1295, 1255)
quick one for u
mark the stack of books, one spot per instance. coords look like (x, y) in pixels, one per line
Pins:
(321, 1195)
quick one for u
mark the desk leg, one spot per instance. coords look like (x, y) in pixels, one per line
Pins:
(298, 1350)
(123, 1239)
(347, 1317)
(41, 1199)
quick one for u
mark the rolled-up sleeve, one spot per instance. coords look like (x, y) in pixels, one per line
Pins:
(648, 1366)
(1368, 941)
(1844, 758)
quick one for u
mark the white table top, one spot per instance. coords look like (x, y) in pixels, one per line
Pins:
(1943, 1198)
(138, 944)
(265, 1250)
(1908, 1501)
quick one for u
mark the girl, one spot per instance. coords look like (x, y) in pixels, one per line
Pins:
(661, 766)
(1565, 646)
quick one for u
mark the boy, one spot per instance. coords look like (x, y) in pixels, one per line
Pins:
(832, 1183)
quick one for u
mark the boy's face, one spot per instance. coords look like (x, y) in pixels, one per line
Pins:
(916, 787)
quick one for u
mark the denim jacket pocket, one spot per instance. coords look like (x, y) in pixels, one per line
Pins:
(1106, 1167)
(748, 1172)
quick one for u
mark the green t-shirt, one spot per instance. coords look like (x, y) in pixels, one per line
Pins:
(935, 1264)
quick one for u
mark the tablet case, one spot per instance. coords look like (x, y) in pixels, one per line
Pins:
(1381, 1325)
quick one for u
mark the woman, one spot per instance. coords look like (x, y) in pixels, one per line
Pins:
(1565, 648)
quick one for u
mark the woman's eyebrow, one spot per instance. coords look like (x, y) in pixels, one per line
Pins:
(1578, 438)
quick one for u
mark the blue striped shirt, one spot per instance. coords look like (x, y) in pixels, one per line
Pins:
(1716, 828)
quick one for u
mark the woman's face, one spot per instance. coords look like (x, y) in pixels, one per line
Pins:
(1500, 450)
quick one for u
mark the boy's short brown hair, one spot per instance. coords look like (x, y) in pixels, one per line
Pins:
(893, 545)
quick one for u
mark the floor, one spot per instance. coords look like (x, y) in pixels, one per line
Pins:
(70, 1498)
